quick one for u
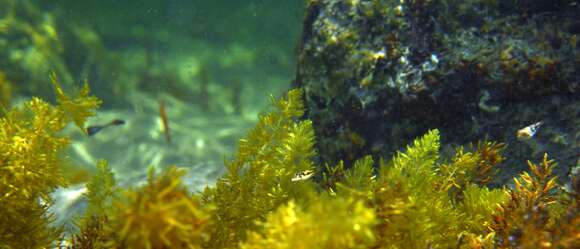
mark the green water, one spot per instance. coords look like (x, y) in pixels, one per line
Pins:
(251, 42)
(213, 64)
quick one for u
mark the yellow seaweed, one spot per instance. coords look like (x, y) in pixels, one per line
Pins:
(161, 214)
(259, 177)
(415, 200)
(30, 167)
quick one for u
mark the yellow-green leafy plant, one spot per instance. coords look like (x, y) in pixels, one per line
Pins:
(412, 207)
(160, 214)
(30, 145)
(332, 175)
(76, 109)
(268, 198)
(327, 223)
(413, 213)
(5, 92)
(101, 191)
(477, 208)
(259, 178)
(477, 166)
(415, 204)
(361, 175)
(357, 181)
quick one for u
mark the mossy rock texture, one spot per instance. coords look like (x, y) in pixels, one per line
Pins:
(377, 73)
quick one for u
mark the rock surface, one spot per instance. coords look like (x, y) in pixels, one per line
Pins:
(379, 73)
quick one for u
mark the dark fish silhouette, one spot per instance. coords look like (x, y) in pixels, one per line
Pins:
(94, 129)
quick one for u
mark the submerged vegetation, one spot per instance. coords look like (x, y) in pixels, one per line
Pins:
(259, 178)
(372, 71)
(416, 200)
(5, 91)
(30, 165)
(160, 214)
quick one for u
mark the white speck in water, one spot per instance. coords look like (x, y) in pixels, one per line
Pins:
(434, 59)
(200, 143)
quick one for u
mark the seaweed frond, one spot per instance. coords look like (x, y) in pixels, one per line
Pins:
(420, 157)
(77, 109)
(457, 174)
(415, 198)
(30, 169)
(478, 206)
(358, 181)
(533, 216)
(101, 190)
(91, 235)
(259, 178)
(332, 175)
(5, 92)
(489, 158)
(476, 166)
(412, 212)
(328, 223)
(361, 173)
(161, 214)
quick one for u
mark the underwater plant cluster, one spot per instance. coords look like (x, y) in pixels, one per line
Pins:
(275, 196)
(380, 145)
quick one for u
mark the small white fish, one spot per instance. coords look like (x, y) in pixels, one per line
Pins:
(303, 175)
(528, 132)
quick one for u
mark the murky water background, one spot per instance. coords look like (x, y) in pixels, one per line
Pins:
(213, 65)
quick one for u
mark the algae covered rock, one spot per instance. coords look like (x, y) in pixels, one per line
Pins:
(378, 73)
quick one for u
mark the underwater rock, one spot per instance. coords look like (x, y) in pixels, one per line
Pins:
(376, 74)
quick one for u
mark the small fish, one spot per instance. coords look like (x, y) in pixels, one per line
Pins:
(94, 129)
(528, 132)
(164, 121)
(303, 175)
